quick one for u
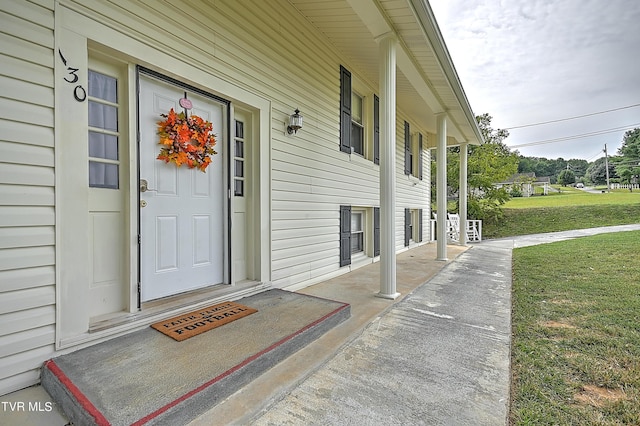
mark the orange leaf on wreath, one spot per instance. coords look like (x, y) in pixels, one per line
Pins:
(171, 117)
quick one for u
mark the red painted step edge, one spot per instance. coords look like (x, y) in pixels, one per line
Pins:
(75, 392)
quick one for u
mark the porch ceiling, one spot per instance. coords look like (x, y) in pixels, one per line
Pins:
(426, 79)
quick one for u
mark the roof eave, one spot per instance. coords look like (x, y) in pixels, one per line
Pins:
(427, 20)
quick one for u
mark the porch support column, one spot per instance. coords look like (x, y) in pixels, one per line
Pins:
(462, 193)
(441, 186)
(387, 44)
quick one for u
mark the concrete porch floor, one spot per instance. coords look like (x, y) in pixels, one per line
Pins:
(358, 288)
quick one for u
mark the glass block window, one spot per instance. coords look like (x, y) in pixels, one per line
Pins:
(103, 137)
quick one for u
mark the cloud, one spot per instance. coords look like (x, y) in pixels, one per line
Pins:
(526, 61)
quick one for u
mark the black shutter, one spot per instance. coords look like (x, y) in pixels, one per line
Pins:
(407, 149)
(407, 226)
(376, 231)
(419, 225)
(345, 235)
(376, 129)
(345, 110)
(420, 156)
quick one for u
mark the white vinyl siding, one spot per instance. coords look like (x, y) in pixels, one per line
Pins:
(27, 216)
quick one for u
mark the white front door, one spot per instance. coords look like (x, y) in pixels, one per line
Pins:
(182, 231)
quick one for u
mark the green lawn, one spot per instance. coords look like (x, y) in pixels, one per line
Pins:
(576, 332)
(573, 197)
(573, 209)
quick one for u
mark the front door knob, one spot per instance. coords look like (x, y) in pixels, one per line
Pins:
(144, 186)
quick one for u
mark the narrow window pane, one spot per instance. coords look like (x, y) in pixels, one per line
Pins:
(103, 116)
(103, 87)
(239, 149)
(411, 222)
(103, 146)
(102, 175)
(356, 108)
(356, 222)
(357, 139)
(239, 168)
(238, 187)
(239, 129)
(357, 242)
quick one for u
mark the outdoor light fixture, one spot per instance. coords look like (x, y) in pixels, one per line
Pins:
(295, 122)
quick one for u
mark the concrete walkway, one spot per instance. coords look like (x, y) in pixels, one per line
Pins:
(439, 357)
(551, 237)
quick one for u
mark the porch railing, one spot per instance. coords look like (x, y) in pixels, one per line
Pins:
(472, 230)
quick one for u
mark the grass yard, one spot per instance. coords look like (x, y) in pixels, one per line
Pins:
(576, 332)
(573, 209)
(573, 197)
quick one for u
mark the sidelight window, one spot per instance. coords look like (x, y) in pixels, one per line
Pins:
(104, 164)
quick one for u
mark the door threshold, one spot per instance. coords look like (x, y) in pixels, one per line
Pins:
(171, 305)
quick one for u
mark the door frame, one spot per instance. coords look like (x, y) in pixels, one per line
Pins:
(227, 178)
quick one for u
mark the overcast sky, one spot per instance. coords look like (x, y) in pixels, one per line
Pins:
(532, 61)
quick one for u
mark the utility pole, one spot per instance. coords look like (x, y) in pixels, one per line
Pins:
(606, 166)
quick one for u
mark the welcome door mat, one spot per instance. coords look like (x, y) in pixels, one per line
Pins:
(193, 323)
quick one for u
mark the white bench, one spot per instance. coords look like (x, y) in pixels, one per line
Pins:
(472, 231)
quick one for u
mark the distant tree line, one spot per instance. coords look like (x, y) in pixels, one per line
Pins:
(543, 167)
(624, 166)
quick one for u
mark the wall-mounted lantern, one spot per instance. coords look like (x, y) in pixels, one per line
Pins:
(295, 123)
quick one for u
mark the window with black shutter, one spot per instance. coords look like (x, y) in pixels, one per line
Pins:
(408, 155)
(345, 235)
(345, 110)
(419, 225)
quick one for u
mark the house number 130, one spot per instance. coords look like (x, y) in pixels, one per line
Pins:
(78, 91)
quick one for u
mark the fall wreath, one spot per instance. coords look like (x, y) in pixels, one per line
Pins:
(186, 140)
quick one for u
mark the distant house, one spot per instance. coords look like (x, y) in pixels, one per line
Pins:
(99, 238)
(526, 183)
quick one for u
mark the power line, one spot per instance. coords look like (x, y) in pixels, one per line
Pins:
(568, 138)
(571, 118)
(594, 156)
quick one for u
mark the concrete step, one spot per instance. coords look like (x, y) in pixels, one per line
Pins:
(148, 378)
